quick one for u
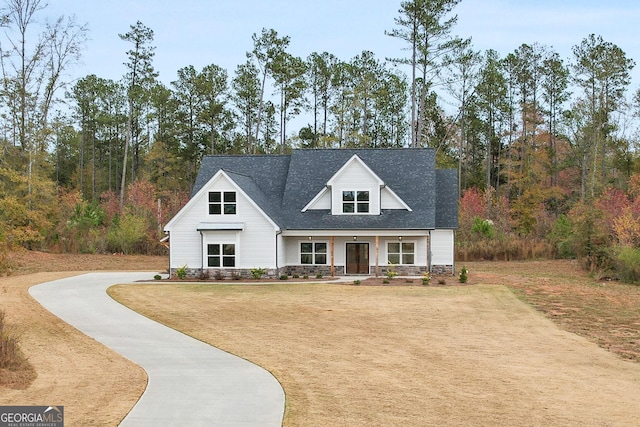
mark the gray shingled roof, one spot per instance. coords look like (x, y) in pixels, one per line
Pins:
(447, 198)
(283, 184)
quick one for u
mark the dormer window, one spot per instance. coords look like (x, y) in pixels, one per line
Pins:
(222, 203)
(355, 202)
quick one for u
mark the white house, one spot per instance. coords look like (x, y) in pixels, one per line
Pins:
(329, 212)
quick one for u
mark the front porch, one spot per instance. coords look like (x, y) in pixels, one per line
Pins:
(355, 253)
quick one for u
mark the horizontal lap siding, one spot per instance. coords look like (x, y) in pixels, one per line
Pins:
(420, 249)
(292, 248)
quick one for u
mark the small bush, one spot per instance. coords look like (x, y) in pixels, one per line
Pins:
(385, 281)
(218, 275)
(8, 346)
(296, 276)
(235, 275)
(442, 282)
(126, 234)
(181, 272)
(257, 273)
(391, 272)
(628, 264)
(306, 276)
(284, 277)
(319, 276)
(203, 275)
(157, 277)
(426, 278)
(356, 282)
(561, 236)
(483, 227)
(463, 275)
(6, 264)
(15, 369)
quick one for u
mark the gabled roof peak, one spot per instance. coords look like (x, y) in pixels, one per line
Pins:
(355, 158)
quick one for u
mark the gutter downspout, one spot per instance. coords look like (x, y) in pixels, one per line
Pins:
(170, 252)
(453, 266)
(201, 251)
(429, 254)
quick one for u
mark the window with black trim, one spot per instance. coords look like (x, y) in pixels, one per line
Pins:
(401, 252)
(313, 253)
(355, 202)
(222, 203)
(221, 255)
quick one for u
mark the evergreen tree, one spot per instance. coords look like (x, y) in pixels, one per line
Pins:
(267, 48)
(426, 26)
(246, 99)
(288, 74)
(602, 72)
(138, 80)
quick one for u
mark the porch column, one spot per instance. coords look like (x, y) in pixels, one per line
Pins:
(377, 252)
(331, 246)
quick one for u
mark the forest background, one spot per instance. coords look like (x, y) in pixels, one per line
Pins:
(546, 147)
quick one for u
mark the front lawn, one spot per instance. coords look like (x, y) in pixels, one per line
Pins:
(408, 355)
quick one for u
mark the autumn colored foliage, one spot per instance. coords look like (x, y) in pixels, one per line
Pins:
(489, 230)
(604, 233)
(73, 224)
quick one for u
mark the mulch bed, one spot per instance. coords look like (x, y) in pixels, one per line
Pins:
(402, 281)
(362, 281)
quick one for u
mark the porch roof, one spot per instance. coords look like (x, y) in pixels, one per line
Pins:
(209, 226)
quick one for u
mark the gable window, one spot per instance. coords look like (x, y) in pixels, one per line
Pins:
(401, 252)
(222, 203)
(221, 255)
(355, 202)
(313, 253)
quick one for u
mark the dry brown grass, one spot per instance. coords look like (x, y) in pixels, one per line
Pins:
(15, 370)
(504, 249)
(27, 262)
(97, 386)
(364, 355)
(606, 312)
(404, 355)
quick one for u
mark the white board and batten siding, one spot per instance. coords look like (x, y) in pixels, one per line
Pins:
(355, 177)
(442, 242)
(184, 239)
(255, 242)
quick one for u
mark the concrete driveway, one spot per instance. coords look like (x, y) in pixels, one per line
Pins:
(190, 383)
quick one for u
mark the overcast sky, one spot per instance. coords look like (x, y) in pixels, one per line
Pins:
(202, 32)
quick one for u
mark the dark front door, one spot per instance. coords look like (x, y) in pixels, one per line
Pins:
(357, 258)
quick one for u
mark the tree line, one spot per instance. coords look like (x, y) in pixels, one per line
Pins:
(542, 133)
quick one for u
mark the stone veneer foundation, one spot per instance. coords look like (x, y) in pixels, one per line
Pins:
(307, 270)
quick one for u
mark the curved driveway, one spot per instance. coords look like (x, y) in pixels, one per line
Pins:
(190, 383)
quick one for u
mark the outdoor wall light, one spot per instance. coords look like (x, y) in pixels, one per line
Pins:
(355, 237)
(400, 238)
(310, 237)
